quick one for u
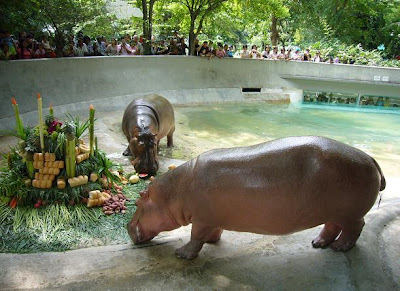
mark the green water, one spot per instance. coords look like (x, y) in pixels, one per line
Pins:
(214, 126)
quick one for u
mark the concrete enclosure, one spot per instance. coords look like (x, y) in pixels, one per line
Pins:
(108, 81)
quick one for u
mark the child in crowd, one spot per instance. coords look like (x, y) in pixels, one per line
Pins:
(254, 54)
(245, 54)
(40, 52)
(220, 53)
(5, 52)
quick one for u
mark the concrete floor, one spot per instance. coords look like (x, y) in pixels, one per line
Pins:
(240, 261)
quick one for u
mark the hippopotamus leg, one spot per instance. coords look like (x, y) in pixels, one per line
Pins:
(199, 236)
(327, 235)
(216, 236)
(350, 233)
(170, 142)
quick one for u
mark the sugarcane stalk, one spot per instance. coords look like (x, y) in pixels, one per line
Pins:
(70, 157)
(31, 170)
(91, 129)
(40, 122)
(51, 111)
(70, 154)
(96, 148)
(20, 127)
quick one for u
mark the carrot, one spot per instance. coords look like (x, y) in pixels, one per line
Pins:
(14, 202)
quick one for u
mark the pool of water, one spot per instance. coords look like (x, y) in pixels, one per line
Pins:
(206, 127)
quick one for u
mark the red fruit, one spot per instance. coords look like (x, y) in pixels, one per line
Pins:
(37, 205)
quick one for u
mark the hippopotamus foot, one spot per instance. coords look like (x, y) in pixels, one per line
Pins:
(327, 235)
(190, 250)
(127, 152)
(200, 235)
(347, 239)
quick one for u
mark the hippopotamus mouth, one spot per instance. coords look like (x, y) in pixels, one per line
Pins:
(137, 235)
(145, 168)
(147, 163)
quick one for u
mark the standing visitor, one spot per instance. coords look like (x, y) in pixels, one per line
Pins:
(101, 45)
(5, 53)
(244, 54)
(113, 48)
(80, 49)
(182, 47)
(89, 45)
(274, 54)
(136, 46)
(24, 52)
(266, 53)
(228, 52)
(68, 50)
(318, 58)
(254, 54)
(220, 53)
(125, 49)
(307, 56)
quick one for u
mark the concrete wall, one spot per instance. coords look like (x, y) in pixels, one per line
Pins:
(111, 82)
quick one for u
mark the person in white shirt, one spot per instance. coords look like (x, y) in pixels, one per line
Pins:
(80, 50)
(245, 54)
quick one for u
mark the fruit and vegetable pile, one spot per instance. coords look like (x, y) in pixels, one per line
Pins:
(52, 164)
(59, 193)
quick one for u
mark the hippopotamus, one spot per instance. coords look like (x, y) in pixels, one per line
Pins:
(277, 187)
(146, 121)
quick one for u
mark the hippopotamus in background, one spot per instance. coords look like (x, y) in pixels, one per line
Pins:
(277, 187)
(146, 121)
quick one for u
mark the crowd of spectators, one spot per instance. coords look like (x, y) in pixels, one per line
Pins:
(294, 54)
(26, 47)
(325, 98)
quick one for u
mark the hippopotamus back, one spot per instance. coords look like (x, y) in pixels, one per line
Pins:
(145, 122)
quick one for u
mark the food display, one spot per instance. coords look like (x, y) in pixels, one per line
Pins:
(52, 163)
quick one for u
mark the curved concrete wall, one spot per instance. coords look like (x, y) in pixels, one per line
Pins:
(112, 82)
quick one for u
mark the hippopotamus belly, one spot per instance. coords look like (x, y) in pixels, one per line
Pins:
(278, 187)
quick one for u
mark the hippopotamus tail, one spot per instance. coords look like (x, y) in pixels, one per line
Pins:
(383, 181)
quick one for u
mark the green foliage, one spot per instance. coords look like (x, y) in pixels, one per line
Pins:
(366, 22)
(79, 126)
(59, 227)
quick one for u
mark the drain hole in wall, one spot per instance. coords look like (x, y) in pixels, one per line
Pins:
(252, 90)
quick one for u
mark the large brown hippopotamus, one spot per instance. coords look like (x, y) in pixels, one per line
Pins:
(277, 187)
(146, 121)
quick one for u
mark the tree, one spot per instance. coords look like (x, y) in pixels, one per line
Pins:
(269, 11)
(147, 7)
(61, 16)
(198, 11)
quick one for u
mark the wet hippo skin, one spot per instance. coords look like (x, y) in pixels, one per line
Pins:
(277, 187)
(145, 122)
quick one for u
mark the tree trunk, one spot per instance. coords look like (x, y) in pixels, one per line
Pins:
(147, 25)
(192, 37)
(60, 43)
(274, 31)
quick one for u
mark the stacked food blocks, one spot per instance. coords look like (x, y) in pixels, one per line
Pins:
(82, 152)
(97, 198)
(48, 168)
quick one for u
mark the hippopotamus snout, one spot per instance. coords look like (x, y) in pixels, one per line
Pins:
(137, 235)
(144, 167)
(132, 231)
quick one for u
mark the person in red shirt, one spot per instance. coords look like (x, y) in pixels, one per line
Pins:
(24, 52)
